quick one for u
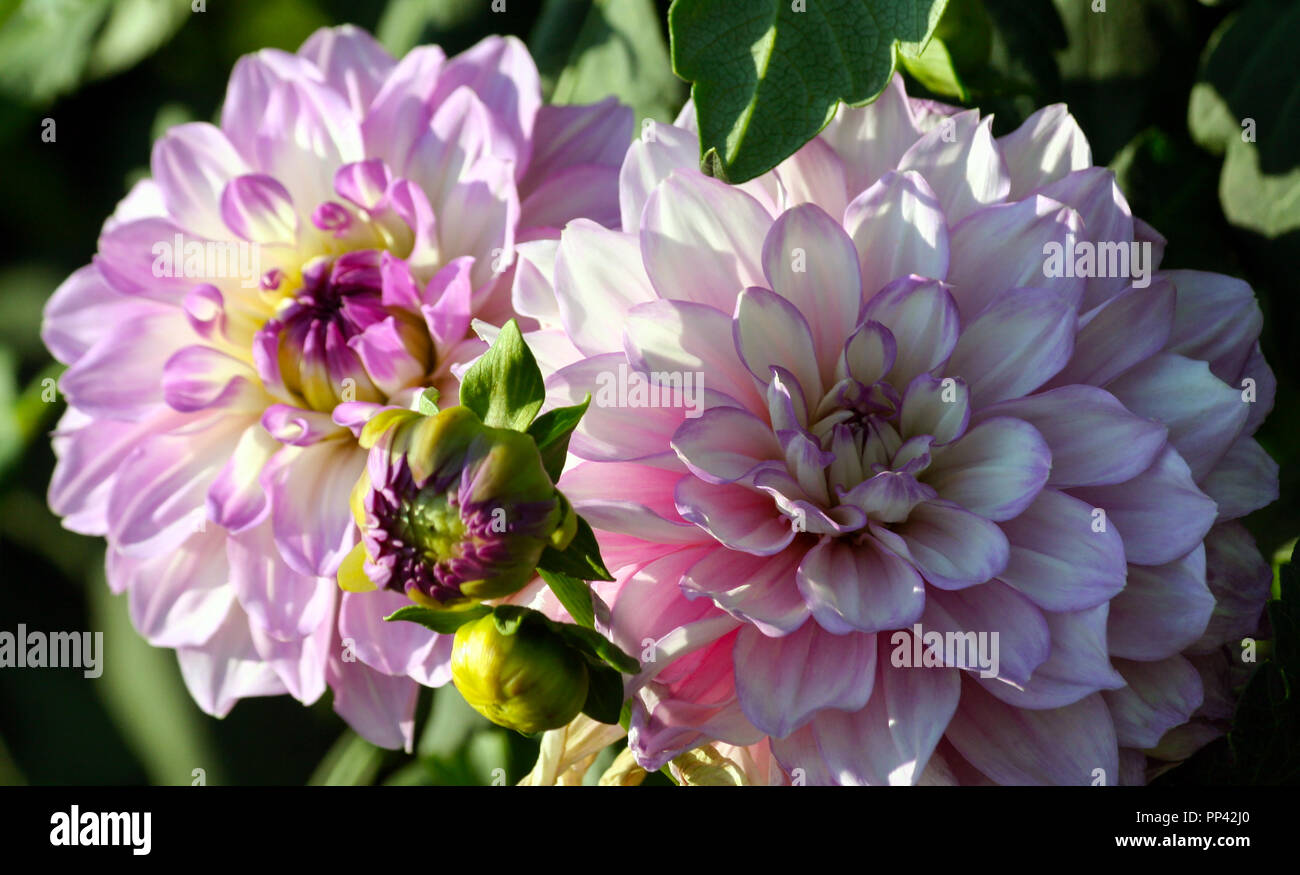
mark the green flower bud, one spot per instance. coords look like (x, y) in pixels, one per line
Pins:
(529, 681)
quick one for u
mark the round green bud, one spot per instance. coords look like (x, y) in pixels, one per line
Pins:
(529, 681)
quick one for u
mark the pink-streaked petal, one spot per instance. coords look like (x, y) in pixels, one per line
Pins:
(649, 161)
(898, 229)
(922, 316)
(177, 599)
(227, 667)
(871, 139)
(278, 600)
(1059, 559)
(257, 208)
(192, 164)
(1204, 415)
(739, 518)
(725, 444)
(758, 589)
(379, 707)
(1020, 340)
(951, 547)
(770, 332)
(1094, 438)
(1047, 146)
(352, 61)
(397, 648)
(813, 175)
(1023, 747)
(965, 170)
(584, 192)
(1159, 696)
(700, 240)
(598, 278)
(310, 489)
(645, 505)
(783, 682)
(860, 587)
(995, 469)
(1160, 514)
(236, 499)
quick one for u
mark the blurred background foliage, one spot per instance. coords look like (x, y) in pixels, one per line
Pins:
(1160, 87)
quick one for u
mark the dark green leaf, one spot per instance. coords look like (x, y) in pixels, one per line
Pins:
(604, 695)
(581, 559)
(768, 74)
(597, 648)
(445, 622)
(508, 618)
(573, 593)
(552, 431)
(429, 402)
(504, 387)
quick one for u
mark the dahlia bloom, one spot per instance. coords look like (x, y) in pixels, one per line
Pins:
(914, 424)
(315, 257)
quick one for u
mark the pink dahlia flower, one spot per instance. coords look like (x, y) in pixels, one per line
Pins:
(855, 401)
(281, 276)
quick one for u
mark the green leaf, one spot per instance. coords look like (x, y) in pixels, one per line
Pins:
(552, 430)
(445, 622)
(504, 387)
(617, 50)
(407, 23)
(429, 402)
(573, 593)
(1245, 108)
(597, 648)
(768, 74)
(581, 559)
(935, 70)
(604, 695)
(351, 762)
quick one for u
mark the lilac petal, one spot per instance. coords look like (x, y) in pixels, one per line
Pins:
(1021, 233)
(783, 682)
(922, 316)
(1107, 223)
(995, 469)
(1160, 514)
(890, 741)
(860, 587)
(1203, 414)
(898, 229)
(310, 489)
(501, 72)
(888, 496)
(1077, 666)
(683, 337)
(1129, 329)
(380, 708)
(298, 662)
(252, 82)
(939, 408)
(298, 427)
(965, 170)
(1259, 377)
(770, 332)
(118, 378)
(1162, 610)
(1058, 558)
(1022, 338)
(236, 499)
(1216, 320)
(760, 590)
(991, 608)
(583, 192)
(598, 278)
(1159, 696)
(177, 599)
(197, 377)
(352, 61)
(306, 132)
(811, 262)
(725, 444)
(1244, 480)
(1093, 438)
(739, 518)
(257, 208)
(800, 756)
(649, 161)
(699, 239)
(191, 164)
(803, 512)
(227, 667)
(952, 547)
(872, 139)
(449, 309)
(1047, 146)
(395, 649)
(82, 311)
(645, 507)
(1240, 580)
(532, 292)
(277, 599)
(158, 497)
(573, 136)
(133, 259)
(650, 604)
(1024, 747)
(813, 175)
(868, 354)
(399, 113)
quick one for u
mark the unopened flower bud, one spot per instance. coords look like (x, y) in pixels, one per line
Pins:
(529, 681)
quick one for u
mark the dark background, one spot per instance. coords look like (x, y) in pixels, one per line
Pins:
(114, 73)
